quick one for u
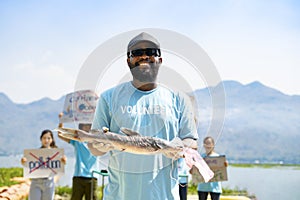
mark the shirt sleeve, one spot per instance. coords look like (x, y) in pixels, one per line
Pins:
(102, 114)
(187, 123)
(72, 142)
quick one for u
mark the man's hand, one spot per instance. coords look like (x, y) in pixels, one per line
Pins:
(60, 125)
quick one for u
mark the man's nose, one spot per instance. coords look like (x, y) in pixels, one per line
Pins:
(144, 55)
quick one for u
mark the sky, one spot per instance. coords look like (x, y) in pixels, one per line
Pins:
(45, 43)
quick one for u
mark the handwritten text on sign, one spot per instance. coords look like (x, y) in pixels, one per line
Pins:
(216, 164)
(79, 106)
(43, 162)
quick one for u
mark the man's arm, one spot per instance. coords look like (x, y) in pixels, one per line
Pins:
(188, 123)
(60, 125)
(101, 119)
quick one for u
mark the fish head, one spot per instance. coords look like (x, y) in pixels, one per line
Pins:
(69, 133)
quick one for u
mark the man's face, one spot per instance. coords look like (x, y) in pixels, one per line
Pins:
(144, 64)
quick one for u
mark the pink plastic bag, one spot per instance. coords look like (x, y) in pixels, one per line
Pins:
(192, 157)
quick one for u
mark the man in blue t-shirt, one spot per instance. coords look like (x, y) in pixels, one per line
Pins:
(152, 110)
(83, 184)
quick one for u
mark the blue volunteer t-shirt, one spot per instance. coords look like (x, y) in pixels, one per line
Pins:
(85, 161)
(183, 170)
(157, 113)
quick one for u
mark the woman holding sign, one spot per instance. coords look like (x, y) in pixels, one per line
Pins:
(213, 188)
(43, 188)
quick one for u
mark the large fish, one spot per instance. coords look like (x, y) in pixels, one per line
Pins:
(130, 141)
(133, 142)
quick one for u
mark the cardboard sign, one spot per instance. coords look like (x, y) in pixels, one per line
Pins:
(216, 164)
(79, 107)
(43, 163)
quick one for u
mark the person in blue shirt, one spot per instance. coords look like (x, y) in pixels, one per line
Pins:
(184, 177)
(83, 184)
(150, 109)
(212, 188)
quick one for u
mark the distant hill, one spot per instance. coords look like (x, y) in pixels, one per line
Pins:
(22, 124)
(261, 123)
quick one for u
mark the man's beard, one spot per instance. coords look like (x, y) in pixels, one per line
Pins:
(147, 73)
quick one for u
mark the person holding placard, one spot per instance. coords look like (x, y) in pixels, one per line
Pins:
(83, 184)
(213, 188)
(44, 188)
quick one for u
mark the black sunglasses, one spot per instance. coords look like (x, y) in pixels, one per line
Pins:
(148, 52)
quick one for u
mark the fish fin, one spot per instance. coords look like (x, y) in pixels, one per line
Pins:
(105, 129)
(177, 142)
(129, 132)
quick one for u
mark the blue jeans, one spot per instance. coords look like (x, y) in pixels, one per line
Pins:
(42, 189)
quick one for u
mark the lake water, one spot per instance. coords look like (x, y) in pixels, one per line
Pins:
(266, 183)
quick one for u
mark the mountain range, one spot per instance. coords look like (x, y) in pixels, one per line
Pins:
(259, 123)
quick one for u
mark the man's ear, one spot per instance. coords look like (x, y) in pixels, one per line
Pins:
(160, 60)
(128, 61)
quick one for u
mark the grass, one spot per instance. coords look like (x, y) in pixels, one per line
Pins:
(251, 165)
(7, 173)
(192, 190)
(63, 190)
(237, 192)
